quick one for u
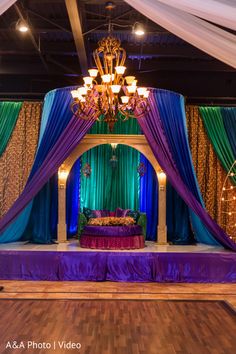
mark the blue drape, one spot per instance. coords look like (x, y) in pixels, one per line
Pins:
(149, 198)
(172, 113)
(72, 199)
(56, 116)
(16, 229)
(229, 119)
(177, 218)
(54, 205)
(47, 106)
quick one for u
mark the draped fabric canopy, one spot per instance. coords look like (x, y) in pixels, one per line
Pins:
(68, 140)
(55, 118)
(153, 130)
(207, 37)
(170, 107)
(165, 150)
(5, 4)
(220, 12)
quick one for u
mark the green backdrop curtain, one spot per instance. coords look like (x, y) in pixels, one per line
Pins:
(229, 118)
(107, 187)
(9, 112)
(110, 187)
(130, 126)
(214, 125)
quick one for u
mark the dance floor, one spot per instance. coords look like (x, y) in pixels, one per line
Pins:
(121, 327)
(155, 263)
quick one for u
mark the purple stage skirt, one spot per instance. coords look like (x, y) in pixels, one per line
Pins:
(124, 230)
(119, 266)
(112, 242)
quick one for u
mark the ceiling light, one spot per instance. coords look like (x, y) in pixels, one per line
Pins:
(106, 97)
(22, 26)
(138, 29)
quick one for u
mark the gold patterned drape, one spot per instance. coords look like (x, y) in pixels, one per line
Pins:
(209, 171)
(16, 161)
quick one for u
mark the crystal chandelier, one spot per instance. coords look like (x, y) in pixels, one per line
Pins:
(108, 95)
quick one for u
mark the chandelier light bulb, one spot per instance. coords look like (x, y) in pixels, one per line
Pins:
(104, 94)
(88, 80)
(129, 79)
(131, 89)
(141, 91)
(115, 88)
(93, 72)
(146, 94)
(120, 70)
(82, 91)
(124, 99)
(106, 78)
(75, 94)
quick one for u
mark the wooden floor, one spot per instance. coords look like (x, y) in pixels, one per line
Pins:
(110, 290)
(119, 327)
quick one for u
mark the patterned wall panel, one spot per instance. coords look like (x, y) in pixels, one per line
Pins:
(17, 160)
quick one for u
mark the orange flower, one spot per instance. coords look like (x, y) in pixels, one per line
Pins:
(111, 221)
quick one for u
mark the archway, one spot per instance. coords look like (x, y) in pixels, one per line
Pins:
(137, 142)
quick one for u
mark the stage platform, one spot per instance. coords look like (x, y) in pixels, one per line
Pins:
(155, 263)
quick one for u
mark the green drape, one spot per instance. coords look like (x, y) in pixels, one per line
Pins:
(107, 187)
(130, 126)
(215, 129)
(9, 112)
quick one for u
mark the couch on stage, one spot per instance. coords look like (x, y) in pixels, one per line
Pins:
(104, 229)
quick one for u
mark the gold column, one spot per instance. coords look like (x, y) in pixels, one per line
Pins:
(61, 226)
(161, 228)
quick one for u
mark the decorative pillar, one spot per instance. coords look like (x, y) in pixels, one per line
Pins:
(161, 228)
(61, 226)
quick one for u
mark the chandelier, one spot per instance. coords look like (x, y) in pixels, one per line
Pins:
(107, 95)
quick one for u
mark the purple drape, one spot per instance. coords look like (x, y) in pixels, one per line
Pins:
(68, 140)
(151, 126)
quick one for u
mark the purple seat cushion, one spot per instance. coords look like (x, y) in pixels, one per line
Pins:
(125, 230)
(121, 213)
(101, 213)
